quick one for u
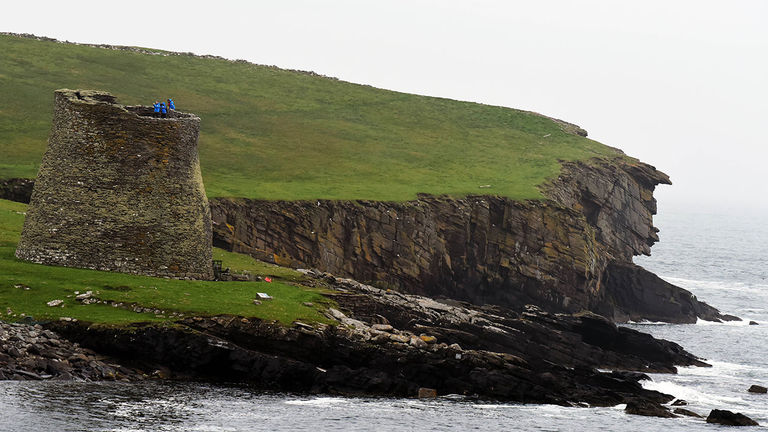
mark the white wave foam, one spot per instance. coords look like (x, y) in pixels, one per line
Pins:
(644, 322)
(129, 409)
(721, 368)
(319, 401)
(691, 395)
(702, 322)
(709, 284)
(493, 406)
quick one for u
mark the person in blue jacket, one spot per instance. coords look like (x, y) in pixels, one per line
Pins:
(156, 106)
(171, 105)
(163, 109)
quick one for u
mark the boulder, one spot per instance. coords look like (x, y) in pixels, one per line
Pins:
(753, 323)
(631, 376)
(757, 389)
(427, 393)
(679, 402)
(417, 342)
(728, 418)
(84, 296)
(647, 408)
(54, 303)
(428, 339)
(382, 327)
(685, 412)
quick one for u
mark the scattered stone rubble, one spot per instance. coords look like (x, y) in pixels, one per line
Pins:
(89, 297)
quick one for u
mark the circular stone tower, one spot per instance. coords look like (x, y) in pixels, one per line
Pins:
(120, 190)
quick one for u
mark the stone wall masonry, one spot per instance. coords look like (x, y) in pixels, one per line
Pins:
(16, 189)
(119, 190)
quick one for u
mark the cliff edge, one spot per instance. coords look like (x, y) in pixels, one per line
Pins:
(567, 253)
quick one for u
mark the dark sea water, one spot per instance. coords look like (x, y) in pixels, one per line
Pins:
(721, 259)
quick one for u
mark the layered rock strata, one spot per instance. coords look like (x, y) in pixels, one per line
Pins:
(482, 249)
(119, 189)
(388, 343)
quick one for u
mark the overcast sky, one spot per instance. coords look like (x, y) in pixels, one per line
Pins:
(682, 85)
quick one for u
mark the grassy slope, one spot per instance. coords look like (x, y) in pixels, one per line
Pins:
(25, 289)
(275, 134)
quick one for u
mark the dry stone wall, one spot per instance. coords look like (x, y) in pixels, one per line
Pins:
(120, 190)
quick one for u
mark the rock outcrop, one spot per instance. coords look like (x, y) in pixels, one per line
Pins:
(633, 293)
(728, 418)
(119, 189)
(647, 408)
(29, 352)
(388, 343)
(555, 252)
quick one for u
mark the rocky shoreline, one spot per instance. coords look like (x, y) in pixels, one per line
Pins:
(383, 343)
(391, 344)
(31, 352)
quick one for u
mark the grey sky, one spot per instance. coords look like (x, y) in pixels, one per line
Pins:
(680, 84)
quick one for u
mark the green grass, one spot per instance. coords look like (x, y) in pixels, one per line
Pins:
(274, 134)
(25, 288)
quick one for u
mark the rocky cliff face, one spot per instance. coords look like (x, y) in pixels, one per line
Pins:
(616, 198)
(482, 249)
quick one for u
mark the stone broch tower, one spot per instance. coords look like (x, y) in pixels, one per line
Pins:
(119, 190)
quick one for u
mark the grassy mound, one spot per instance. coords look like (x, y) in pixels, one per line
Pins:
(275, 134)
(25, 289)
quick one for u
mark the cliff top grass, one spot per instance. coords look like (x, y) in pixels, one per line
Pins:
(25, 288)
(276, 134)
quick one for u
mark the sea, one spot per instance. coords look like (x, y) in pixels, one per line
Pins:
(721, 258)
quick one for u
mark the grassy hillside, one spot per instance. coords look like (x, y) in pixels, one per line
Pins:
(276, 134)
(25, 288)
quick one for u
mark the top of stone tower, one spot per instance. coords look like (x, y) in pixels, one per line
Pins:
(98, 97)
